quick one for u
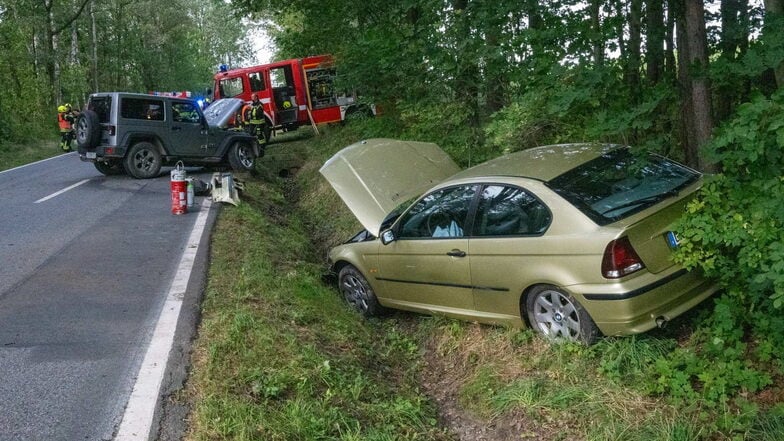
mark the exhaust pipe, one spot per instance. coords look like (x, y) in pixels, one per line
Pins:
(661, 322)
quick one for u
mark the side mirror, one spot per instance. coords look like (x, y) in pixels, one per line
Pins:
(387, 237)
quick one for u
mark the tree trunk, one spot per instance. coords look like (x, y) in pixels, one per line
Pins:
(467, 76)
(670, 67)
(697, 77)
(597, 36)
(633, 61)
(654, 19)
(774, 11)
(94, 47)
(733, 35)
(619, 11)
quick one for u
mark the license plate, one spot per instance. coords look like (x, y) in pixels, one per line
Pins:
(90, 155)
(672, 239)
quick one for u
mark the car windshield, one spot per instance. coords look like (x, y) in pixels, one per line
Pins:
(621, 183)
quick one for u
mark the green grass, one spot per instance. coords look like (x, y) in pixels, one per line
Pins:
(14, 155)
(280, 357)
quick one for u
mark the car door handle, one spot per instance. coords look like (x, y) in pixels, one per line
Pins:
(456, 253)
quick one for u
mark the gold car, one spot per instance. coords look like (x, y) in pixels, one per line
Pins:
(572, 240)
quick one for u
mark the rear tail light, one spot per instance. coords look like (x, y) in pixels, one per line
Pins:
(620, 259)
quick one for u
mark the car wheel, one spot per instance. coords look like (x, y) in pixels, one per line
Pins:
(558, 316)
(358, 293)
(88, 130)
(241, 157)
(143, 161)
(109, 168)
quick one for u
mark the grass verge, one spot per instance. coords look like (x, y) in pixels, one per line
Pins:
(279, 357)
(14, 155)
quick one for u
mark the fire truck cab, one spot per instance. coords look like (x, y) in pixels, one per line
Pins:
(294, 92)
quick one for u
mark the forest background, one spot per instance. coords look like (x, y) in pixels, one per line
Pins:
(697, 81)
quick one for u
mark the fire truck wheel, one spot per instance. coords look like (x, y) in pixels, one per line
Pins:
(109, 168)
(241, 157)
(88, 130)
(143, 161)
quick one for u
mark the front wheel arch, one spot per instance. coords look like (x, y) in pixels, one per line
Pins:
(241, 156)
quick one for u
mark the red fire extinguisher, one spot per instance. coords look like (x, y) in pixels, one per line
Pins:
(179, 190)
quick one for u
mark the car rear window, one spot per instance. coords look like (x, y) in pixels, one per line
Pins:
(620, 183)
(102, 106)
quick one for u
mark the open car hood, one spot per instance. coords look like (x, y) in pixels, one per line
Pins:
(375, 176)
(219, 113)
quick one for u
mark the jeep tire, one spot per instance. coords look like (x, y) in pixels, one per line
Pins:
(88, 130)
(143, 161)
(241, 157)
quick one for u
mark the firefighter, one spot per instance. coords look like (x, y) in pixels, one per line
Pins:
(255, 119)
(65, 122)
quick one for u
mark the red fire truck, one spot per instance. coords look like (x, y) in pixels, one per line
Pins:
(294, 92)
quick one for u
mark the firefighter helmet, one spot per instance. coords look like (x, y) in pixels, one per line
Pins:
(61, 109)
(286, 104)
(67, 106)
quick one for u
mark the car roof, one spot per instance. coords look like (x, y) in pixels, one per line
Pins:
(542, 163)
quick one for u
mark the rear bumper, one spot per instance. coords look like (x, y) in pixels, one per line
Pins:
(102, 151)
(634, 306)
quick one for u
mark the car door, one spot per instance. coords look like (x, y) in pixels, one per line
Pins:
(187, 134)
(507, 245)
(427, 266)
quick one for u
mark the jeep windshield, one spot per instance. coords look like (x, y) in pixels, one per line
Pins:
(620, 183)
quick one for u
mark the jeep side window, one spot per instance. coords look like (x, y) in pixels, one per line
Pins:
(141, 108)
(184, 112)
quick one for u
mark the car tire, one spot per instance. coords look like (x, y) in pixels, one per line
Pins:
(109, 168)
(241, 157)
(558, 316)
(88, 130)
(143, 161)
(358, 292)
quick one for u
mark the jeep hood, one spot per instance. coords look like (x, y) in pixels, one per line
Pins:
(219, 113)
(375, 176)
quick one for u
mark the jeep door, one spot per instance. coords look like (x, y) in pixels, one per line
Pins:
(187, 131)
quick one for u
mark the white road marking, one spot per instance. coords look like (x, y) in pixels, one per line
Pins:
(58, 193)
(37, 162)
(138, 417)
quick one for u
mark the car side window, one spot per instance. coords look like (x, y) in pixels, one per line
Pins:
(510, 211)
(141, 108)
(184, 112)
(256, 82)
(441, 214)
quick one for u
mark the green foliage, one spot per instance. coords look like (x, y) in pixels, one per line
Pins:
(734, 230)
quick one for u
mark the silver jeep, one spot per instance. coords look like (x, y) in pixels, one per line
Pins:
(137, 134)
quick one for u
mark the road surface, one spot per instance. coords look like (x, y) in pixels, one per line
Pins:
(86, 265)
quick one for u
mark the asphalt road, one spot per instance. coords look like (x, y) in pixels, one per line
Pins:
(83, 278)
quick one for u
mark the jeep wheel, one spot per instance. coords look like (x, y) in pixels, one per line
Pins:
(241, 157)
(143, 161)
(109, 168)
(88, 130)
